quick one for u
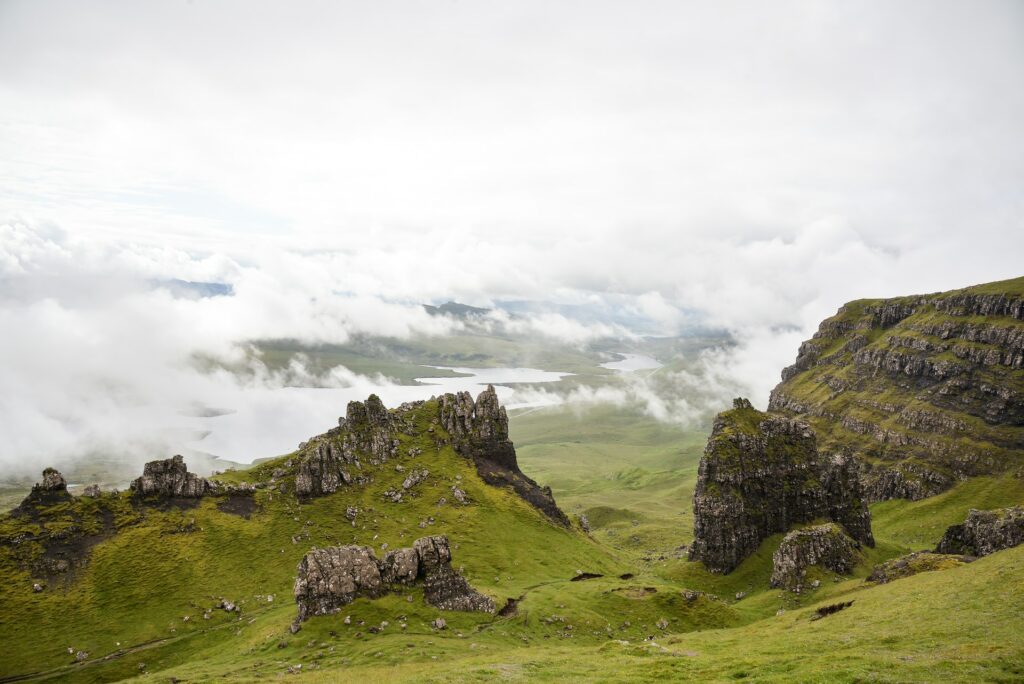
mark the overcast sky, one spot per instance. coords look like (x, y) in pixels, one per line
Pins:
(760, 163)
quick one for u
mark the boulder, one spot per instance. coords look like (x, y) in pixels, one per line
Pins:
(826, 546)
(330, 578)
(333, 577)
(444, 587)
(169, 478)
(322, 471)
(984, 532)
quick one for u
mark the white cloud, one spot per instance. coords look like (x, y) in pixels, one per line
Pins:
(744, 166)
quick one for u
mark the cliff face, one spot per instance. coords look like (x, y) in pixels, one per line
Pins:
(924, 390)
(760, 475)
(370, 434)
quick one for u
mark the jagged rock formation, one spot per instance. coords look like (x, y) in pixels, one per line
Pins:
(443, 587)
(479, 431)
(826, 546)
(51, 490)
(330, 578)
(760, 475)
(322, 471)
(985, 532)
(914, 563)
(169, 478)
(924, 390)
(369, 435)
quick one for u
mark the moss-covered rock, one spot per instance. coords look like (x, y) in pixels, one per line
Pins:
(761, 474)
(826, 546)
(914, 563)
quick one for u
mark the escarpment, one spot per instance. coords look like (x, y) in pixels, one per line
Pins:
(371, 435)
(760, 475)
(924, 391)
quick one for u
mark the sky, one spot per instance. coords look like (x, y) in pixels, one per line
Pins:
(337, 163)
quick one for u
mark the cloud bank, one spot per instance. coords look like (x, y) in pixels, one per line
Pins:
(741, 166)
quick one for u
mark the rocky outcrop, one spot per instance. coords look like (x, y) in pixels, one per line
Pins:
(925, 390)
(443, 587)
(322, 471)
(368, 436)
(914, 563)
(479, 430)
(984, 532)
(826, 546)
(52, 489)
(760, 475)
(330, 578)
(169, 478)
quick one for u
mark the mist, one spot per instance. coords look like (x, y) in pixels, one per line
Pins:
(330, 167)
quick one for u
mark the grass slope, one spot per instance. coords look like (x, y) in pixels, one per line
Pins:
(961, 624)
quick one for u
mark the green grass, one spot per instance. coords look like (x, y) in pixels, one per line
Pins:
(632, 476)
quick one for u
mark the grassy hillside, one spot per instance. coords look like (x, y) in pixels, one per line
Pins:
(650, 615)
(924, 389)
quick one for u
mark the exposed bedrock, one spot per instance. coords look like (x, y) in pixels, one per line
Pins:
(477, 430)
(50, 490)
(984, 532)
(170, 478)
(925, 390)
(826, 546)
(760, 475)
(333, 577)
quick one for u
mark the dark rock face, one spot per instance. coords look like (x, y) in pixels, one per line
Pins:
(330, 578)
(826, 546)
(170, 478)
(369, 435)
(924, 390)
(443, 587)
(479, 430)
(760, 475)
(914, 563)
(984, 532)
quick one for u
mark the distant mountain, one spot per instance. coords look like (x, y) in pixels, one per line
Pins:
(456, 309)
